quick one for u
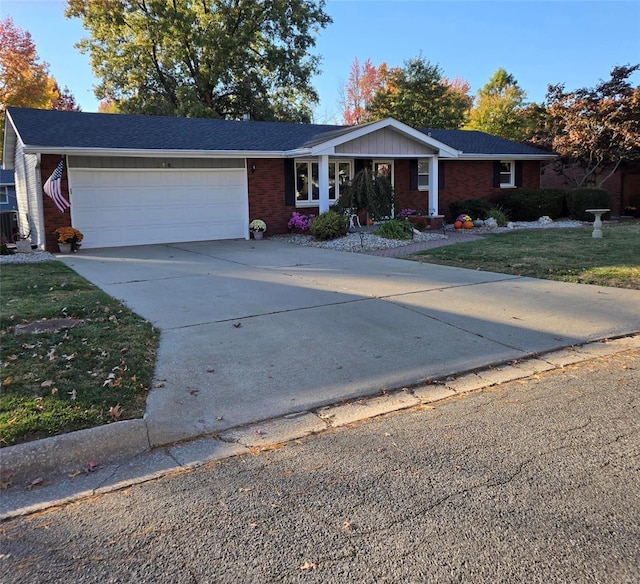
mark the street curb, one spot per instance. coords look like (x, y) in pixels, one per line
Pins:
(127, 439)
(73, 451)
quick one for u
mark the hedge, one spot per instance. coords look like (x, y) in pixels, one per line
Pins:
(476, 208)
(531, 204)
(578, 200)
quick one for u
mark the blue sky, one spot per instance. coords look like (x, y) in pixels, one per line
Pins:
(542, 42)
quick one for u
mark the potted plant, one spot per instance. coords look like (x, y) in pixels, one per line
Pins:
(257, 227)
(69, 239)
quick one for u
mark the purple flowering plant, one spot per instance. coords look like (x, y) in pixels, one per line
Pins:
(300, 221)
(407, 212)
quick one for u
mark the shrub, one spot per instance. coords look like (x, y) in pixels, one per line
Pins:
(499, 215)
(4, 250)
(300, 222)
(396, 229)
(531, 204)
(586, 198)
(420, 223)
(329, 225)
(476, 208)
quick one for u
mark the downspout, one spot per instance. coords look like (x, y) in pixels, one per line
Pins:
(42, 238)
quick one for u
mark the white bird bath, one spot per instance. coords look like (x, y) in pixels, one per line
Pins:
(597, 224)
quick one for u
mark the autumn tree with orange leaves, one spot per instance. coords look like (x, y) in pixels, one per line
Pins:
(24, 79)
(417, 94)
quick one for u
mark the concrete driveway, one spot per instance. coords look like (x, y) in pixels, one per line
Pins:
(253, 330)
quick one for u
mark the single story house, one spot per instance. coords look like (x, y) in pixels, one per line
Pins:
(133, 179)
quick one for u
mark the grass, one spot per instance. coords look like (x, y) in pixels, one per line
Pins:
(567, 255)
(62, 380)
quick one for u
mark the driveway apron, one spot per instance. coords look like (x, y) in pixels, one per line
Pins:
(253, 330)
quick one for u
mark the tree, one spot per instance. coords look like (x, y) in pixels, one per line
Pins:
(418, 95)
(215, 58)
(499, 108)
(594, 130)
(64, 99)
(370, 192)
(24, 81)
(361, 87)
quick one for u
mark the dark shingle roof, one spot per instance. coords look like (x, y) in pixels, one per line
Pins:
(52, 128)
(475, 142)
(88, 130)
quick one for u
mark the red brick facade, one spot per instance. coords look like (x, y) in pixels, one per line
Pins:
(52, 216)
(266, 189)
(462, 180)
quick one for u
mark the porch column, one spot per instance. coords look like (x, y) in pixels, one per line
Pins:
(433, 185)
(323, 182)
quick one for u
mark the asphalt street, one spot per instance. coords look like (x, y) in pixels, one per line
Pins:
(536, 480)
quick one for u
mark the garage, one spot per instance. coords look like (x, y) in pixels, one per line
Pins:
(171, 200)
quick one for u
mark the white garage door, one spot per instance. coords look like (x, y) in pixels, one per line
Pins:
(134, 207)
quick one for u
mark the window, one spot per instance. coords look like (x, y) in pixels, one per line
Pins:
(423, 175)
(308, 181)
(384, 168)
(507, 173)
(4, 196)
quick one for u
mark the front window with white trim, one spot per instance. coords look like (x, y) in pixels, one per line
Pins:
(507, 173)
(308, 182)
(423, 175)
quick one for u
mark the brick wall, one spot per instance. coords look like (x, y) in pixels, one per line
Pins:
(266, 194)
(52, 216)
(463, 179)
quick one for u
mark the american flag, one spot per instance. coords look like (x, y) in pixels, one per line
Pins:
(52, 188)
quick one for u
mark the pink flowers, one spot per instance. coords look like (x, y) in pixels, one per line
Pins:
(300, 222)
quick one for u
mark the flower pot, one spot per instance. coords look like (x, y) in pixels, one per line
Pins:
(258, 234)
(64, 247)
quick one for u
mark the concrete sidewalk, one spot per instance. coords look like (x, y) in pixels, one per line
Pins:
(259, 330)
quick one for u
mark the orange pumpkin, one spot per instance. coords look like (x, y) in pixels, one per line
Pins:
(457, 225)
(468, 225)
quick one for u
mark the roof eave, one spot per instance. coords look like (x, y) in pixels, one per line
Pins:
(151, 153)
(508, 156)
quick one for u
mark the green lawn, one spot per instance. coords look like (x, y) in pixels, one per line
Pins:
(568, 255)
(62, 380)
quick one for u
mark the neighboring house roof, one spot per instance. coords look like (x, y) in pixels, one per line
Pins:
(53, 131)
(6, 178)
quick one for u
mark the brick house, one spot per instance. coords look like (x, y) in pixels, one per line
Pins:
(133, 180)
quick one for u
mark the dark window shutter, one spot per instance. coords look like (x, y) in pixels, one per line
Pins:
(440, 174)
(518, 176)
(413, 175)
(496, 174)
(289, 182)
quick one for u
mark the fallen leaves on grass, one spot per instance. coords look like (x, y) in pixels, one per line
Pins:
(115, 412)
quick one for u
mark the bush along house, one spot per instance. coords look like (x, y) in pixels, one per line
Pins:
(133, 179)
